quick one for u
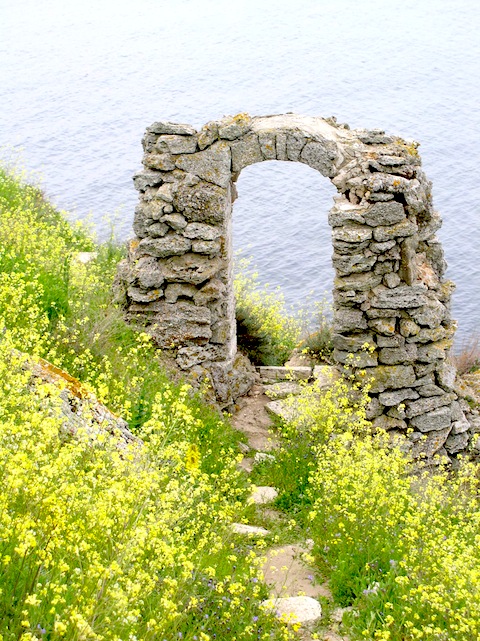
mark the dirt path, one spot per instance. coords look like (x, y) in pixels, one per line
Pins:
(288, 570)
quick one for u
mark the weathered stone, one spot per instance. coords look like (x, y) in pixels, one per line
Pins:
(281, 145)
(352, 264)
(389, 423)
(408, 327)
(432, 313)
(373, 312)
(273, 373)
(325, 375)
(210, 247)
(146, 178)
(446, 374)
(382, 213)
(352, 233)
(157, 230)
(461, 426)
(175, 221)
(174, 324)
(232, 127)
(295, 144)
(162, 162)
(263, 494)
(141, 296)
(171, 128)
(424, 405)
(343, 212)
(403, 297)
(202, 202)
(398, 355)
(171, 245)
(456, 442)
(175, 291)
(246, 152)
(364, 281)
(427, 335)
(213, 290)
(346, 320)
(202, 231)
(320, 156)
(430, 390)
(211, 164)
(266, 140)
(382, 248)
(396, 397)
(400, 230)
(295, 609)
(391, 377)
(354, 342)
(393, 340)
(429, 443)
(373, 409)
(433, 351)
(408, 265)
(176, 144)
(282, 389)
(342, 247)
(191, 268)
(359, 359)
(391, 280)
(249, 530)
(439, 419)
(208, 135)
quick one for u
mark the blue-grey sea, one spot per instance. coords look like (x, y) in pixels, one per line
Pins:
(80, 81)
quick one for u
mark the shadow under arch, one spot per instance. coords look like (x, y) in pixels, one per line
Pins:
(389, 291)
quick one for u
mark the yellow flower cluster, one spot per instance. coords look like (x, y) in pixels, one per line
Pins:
(97, 542)
(400, 544)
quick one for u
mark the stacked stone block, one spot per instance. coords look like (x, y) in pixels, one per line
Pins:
(391, 303)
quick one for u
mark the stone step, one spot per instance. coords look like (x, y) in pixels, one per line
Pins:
(271, 373)
(295, 609)
(263, 494)
(249, 530)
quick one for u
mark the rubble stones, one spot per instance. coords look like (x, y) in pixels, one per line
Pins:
(389, 291)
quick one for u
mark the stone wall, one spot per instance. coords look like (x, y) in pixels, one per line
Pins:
(389, 292)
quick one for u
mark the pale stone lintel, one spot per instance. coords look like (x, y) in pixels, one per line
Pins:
(309, 126)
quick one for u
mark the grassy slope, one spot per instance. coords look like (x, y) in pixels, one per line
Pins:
(94, 545)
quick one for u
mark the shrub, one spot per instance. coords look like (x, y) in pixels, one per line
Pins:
(266, 333)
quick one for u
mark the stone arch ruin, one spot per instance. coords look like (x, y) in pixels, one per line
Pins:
(389, 290)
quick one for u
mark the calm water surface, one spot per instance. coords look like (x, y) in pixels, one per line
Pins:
(79, 82)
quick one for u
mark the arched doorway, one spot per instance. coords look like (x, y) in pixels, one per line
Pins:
(389, 291)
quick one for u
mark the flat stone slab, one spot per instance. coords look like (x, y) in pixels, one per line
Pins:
(295, 609)
(281, 409)
(264, 494)
(273, 374)
(249, 530)
(325, 375)
(263, 457)
(282, 389)
(287, 572)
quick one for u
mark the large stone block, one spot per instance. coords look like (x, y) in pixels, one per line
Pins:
(203, 202)
(402, 297)
(191, 268)
(212, 164)
(171, 245)
(438, 419)
(388, 213)
(179, 323)
(391, 377)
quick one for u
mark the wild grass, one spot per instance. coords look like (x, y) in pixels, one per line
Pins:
(99, 543)
(467, 359)
(398, 545)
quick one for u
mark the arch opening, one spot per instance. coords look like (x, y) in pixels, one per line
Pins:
(389, 291)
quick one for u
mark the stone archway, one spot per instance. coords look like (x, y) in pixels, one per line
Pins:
(389, 290)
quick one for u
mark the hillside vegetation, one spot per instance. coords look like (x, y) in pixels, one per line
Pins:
(103, 543)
